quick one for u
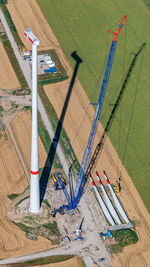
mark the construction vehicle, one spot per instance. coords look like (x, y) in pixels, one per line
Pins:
(67, 239)
(60, 176)
(81, 180)
(116, 188)
(108, 233)
(78, 232)
(55, 180)
(23, 48)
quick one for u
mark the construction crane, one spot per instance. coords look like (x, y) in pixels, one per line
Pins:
(72, 204)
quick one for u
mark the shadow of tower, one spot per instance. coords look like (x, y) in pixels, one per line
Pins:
(52, 151)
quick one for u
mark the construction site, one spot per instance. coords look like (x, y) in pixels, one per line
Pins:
(45, 62)
(64, 193)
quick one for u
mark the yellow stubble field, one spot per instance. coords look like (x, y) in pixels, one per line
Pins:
(8, 79)
(21, 127)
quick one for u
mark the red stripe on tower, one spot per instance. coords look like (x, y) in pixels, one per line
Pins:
(34, 173)
(100, 181)
(98, 178)
(104, 172)
(30, 40)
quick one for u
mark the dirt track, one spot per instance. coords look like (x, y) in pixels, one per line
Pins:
(9, 79)
(135, 254)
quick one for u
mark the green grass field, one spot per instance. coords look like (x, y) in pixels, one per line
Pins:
(82, 26)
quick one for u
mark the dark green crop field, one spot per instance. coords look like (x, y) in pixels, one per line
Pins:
(81, 25)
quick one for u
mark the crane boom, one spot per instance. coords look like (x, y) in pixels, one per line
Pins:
(64, 190)
(72, 203)
(88, 151)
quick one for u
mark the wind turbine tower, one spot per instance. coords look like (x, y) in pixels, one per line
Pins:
(34, 178)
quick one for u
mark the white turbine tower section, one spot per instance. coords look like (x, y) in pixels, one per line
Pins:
(108, 201)
(118, 205)
(101, 202)
(34, 179)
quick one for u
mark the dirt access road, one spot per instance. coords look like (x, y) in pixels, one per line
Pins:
(32, 16)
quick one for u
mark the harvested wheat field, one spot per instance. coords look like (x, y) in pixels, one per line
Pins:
(21, 127)
(9, 79)
(26, 14)
(13, 241)
(133, 255)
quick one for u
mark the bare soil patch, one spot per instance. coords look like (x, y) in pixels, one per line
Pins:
(8, 77)
(108, 160)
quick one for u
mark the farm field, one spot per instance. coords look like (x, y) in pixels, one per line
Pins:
(22, 124)
(32, 11)
(13, 180)
(130, 129)
(9, 80)
(108, 159)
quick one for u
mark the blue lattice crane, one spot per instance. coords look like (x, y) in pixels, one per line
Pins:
(88, 151)
(72, 204)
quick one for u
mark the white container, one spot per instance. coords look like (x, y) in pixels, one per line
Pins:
(47, 58)
(52, 64)
(26, 53)
(48, 61)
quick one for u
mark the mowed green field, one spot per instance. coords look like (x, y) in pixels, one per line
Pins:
(81, 25)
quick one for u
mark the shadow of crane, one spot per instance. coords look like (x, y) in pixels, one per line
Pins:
(99, 146)
(52, 151)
